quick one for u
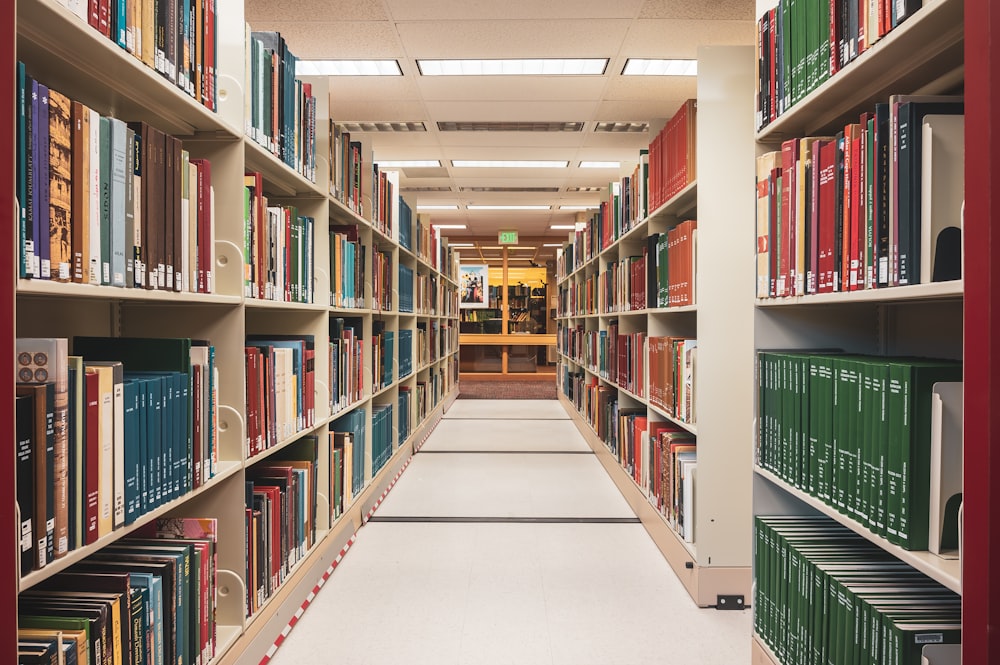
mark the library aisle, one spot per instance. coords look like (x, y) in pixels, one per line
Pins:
(506, 542)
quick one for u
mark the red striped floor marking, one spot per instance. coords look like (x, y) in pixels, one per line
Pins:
(336, 562)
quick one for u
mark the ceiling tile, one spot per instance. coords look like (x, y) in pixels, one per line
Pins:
(650, 88)
(336, 39)
(532, 88)
(342, 10)
(657, 38)
(511, 110)
(442, 10)
(714, 10)
(513, 38)
(352, 108)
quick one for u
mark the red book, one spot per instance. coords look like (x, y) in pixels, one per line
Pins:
(92, 443)
(845, 194)
(826, 215)
(856, 196)
(203, 263)
(812, 251)
(104, 17)
(786, 267)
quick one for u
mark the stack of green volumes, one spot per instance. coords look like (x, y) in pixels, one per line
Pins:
(825, 595)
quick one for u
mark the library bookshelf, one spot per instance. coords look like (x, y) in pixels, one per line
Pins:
(714, 562)
(411, 395)
(925, 320)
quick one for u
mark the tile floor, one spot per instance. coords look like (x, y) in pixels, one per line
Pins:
(572, 579)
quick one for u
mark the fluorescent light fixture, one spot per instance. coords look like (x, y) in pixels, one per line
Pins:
(348, 68)
(552, 244)
(653, 67)
(421, 206)
(521, 247)
(588, 207)
(491, 248)
(510, 207)
(563, 227)
(448, 226)
(509, 164)
(406, 163)
(600, 165)
(515, 67)
(461, 244)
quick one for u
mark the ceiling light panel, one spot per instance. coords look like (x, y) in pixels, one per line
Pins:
(407, 163)
(622, 127)
(471, 126)
(508, 207)
(428, 188)
(653, 67)
(518, 190)
(347, 68)
(421, 206)
(382, 126)
(585, 189)
(448, 226)
(563, 227)
(509, 163)
(515, 67)
(600, 165)
(587, 207)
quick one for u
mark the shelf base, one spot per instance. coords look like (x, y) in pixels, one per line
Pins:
(760, 654)
(252, 646)
(704, 583)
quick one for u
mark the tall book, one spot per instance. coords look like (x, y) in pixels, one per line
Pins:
(43, 438)
(24, 427)
(60, 186)
(43, 360)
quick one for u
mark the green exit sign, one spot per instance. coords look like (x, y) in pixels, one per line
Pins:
(508, 238)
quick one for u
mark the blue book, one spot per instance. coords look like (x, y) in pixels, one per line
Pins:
(133, 455)
(154, 584)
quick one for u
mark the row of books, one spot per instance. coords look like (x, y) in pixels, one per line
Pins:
(855, 432)
(672, 164)
(385, 201)
(616, 357)
(801, 44)
(405, 352)
(352, 427)
(178, 42)
(382, 435)
(280, 518)
(405, 225)
(672, 371)
(107, 435)
(824, 594)
(382, 287)
(347, 267)
(345, 173)
(877, 205)
(405, 411)
(383, 355)
(435, 339)
(280, 388)
(346, 363)
(106, 202)
(406, 288)
(280, 109)
(664, 275)
(149, 598)
(278, 248)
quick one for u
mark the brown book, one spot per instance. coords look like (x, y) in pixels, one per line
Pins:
(171, 201)
(43, 360)
(153, 231)
(43, 448)
(60, 186)
(80, 218)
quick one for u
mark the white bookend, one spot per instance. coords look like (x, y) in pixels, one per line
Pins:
(942, 186)
(946, 469)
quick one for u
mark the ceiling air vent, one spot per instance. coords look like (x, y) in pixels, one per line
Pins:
(510, 189)
(586, 189)
(428, 188)
(383, 126)
(622, 127)
(465, 126)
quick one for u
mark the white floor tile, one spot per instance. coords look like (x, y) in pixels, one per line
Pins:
(504, 485)
(507, 408)
(510, 593)
(505, 435)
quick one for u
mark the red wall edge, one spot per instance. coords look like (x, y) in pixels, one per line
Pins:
(980, 643)
(9, 555)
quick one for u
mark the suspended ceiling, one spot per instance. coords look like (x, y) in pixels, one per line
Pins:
(407, 30)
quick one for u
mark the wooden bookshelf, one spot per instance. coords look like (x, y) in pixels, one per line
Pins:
(50, 40)
(923, 55)
(718, 561)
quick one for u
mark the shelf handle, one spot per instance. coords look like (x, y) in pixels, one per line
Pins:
(231, 593)
(231, 434)
(230, 100)
(323, 508)
(228, 268)
(321, 395)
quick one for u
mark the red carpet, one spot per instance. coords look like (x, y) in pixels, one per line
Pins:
(471, 389)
